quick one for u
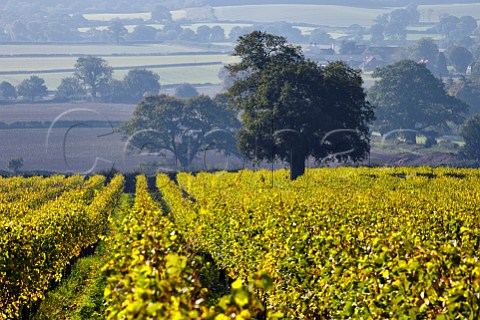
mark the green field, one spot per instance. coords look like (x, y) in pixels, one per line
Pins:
(94, 49)
(168, 75)
(175, 75)
(172, 75)
(336, 35)
(178, 14)
(55, 63)
(314, 14)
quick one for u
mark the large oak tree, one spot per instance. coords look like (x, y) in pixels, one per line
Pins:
(292, 108)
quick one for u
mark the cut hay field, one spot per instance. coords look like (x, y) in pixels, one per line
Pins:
(302, 13)
(112, 16)
(312, 14)
(294, 13)
(168, 75)
(55, 63)
(176, 75)
(94, 49)
(43, 66)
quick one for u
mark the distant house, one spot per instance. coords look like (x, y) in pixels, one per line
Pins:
(367, 59)
(370, 63)
(319, 49)
(351, 60)
(387, 54)
(468, 72)
(324, 54)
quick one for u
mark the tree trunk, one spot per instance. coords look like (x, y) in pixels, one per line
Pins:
(410, 137)
(297, 165)
(184, 163)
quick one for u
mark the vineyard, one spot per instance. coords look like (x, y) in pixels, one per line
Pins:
(44, 224)
(336, 243)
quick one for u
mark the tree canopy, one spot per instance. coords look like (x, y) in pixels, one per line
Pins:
(470, 132)
(93, 72)
(7, 91)
(70, 88)
(320, 36)
(139, 82)
(409, 97)
(426, 50)
(182, 127)
(161, 14)
(32, 88)
(459, 58)
(117, 30)
(292, 108)
(467, 89)
(186, 91)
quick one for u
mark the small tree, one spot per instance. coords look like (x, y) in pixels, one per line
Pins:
(115, 91)
(447, 25)
(425, 49)
(7, 91)
(161, 14)
(466, 25)
(185, 91)
(470, 132)
(467, 90)
(459, 58)
(117, 30)
(138, 82)
(93, 73)
(70, 89)
(143, 33)
(320, 36)
(32, 88)
(15, 164)
(376, 31)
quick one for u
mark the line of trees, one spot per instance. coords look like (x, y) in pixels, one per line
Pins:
(92, 79)
(280, 106)
(292, 109)
(29, 89)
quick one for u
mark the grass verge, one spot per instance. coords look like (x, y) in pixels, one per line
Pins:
(80, 296)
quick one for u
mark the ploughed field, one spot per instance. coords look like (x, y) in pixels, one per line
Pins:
(335, 243)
